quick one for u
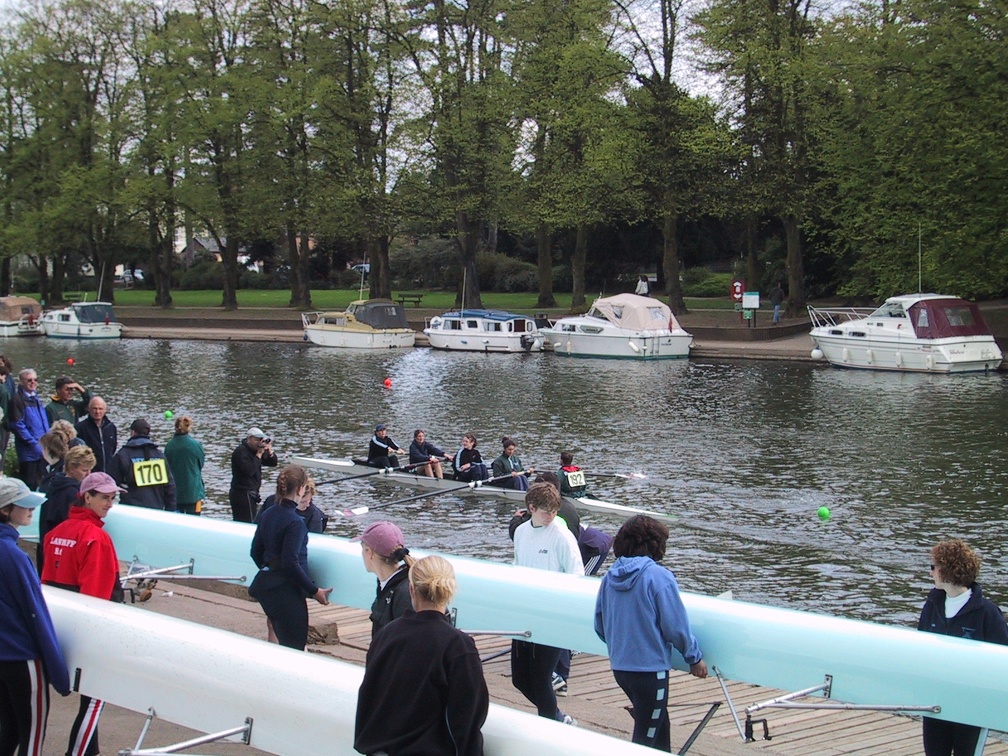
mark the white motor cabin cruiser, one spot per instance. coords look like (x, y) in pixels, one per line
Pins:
(365, 324)
(484, 331)
(625, 326)
(82, 320)
(927, 333)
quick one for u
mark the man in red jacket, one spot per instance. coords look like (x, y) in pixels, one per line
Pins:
(79, 556)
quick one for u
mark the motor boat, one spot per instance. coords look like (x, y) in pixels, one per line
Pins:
(624, 326)
(82, 320)
(927, 333)
(484, 331)
(365, 324)
(20, 316)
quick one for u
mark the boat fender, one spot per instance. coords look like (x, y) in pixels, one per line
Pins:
(304, 336)
(869, 356)
(435, 322)
(929, 362)
(899, 359)
(846, 354)
(817, 354)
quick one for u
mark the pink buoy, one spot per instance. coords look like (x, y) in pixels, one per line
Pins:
(387, 383)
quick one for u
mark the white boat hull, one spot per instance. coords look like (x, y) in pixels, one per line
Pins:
(389, 475)
(763, 645)
(82, 330)
(211, 680)
(12, 328)
(616, 344)
(328, 336)
(976, 355)
(479, 342)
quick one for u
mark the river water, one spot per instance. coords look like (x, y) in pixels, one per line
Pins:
(743, 452)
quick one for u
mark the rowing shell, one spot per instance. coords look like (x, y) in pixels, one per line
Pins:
(390, 475)
(868, 663)
(210, 680)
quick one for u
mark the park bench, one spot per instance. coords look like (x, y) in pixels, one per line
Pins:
(413, 299)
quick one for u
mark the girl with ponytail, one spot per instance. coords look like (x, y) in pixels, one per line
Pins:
(280, 551)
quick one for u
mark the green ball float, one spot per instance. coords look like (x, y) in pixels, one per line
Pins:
(169, 415)
(823, 513)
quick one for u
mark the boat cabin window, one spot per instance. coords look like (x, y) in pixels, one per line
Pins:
(922, 318)
(473, 324)
(521, 326)
(657, 314)
(591, 329)
(569, 327)
(959, 316)
(64, 318)
(453, 325)
(617, 312)
(493, 326)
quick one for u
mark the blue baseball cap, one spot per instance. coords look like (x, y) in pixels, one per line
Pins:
(14, 491)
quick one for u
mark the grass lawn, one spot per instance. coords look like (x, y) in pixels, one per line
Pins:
(338, 299)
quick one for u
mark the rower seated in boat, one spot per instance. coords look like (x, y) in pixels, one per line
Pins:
(468, 462)
(572, 477)
(509, 468)
(382, 449)
(424, 457)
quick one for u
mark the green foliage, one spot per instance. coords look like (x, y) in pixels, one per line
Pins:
(701, 282)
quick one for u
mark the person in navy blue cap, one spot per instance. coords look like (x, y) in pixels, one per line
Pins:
(382, 449)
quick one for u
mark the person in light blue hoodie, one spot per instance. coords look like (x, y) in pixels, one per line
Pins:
(641, 618)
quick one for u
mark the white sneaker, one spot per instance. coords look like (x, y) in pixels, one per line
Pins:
(569, 720)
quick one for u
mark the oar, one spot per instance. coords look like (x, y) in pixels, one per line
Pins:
(472, 485)
(624, 476)
(376, 471)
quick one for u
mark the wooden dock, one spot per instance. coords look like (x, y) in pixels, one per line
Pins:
(598, 703)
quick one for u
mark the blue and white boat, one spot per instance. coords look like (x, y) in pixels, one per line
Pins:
(484, 331)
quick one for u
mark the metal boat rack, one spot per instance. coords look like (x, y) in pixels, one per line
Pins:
(147, 577)
(787, 701)
(244, 730)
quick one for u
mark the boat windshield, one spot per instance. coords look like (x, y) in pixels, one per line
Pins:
(890, 310)
(94, 313)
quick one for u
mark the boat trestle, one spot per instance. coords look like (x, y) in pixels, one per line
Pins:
(245, 731)
(147, 577)
(787, 701)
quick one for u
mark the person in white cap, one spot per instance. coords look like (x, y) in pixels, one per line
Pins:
(246, 473)
(80, 557)
(30, 656)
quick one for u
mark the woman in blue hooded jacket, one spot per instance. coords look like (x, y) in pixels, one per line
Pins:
(30, 656)
(641, 618)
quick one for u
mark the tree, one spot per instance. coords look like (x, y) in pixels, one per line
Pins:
(759, 48)
(682, 147)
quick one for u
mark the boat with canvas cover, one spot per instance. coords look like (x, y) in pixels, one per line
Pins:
(351, 467)
(484, 331)
(365, 324)
(20, 316)
(82, 320)
(925, 333)
(624, 326)
(863, 663)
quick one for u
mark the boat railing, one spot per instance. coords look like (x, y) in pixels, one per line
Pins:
(822, 317)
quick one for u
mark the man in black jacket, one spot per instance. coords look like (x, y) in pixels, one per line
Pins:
(142, 468)
(100, 433)
(246, 473)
